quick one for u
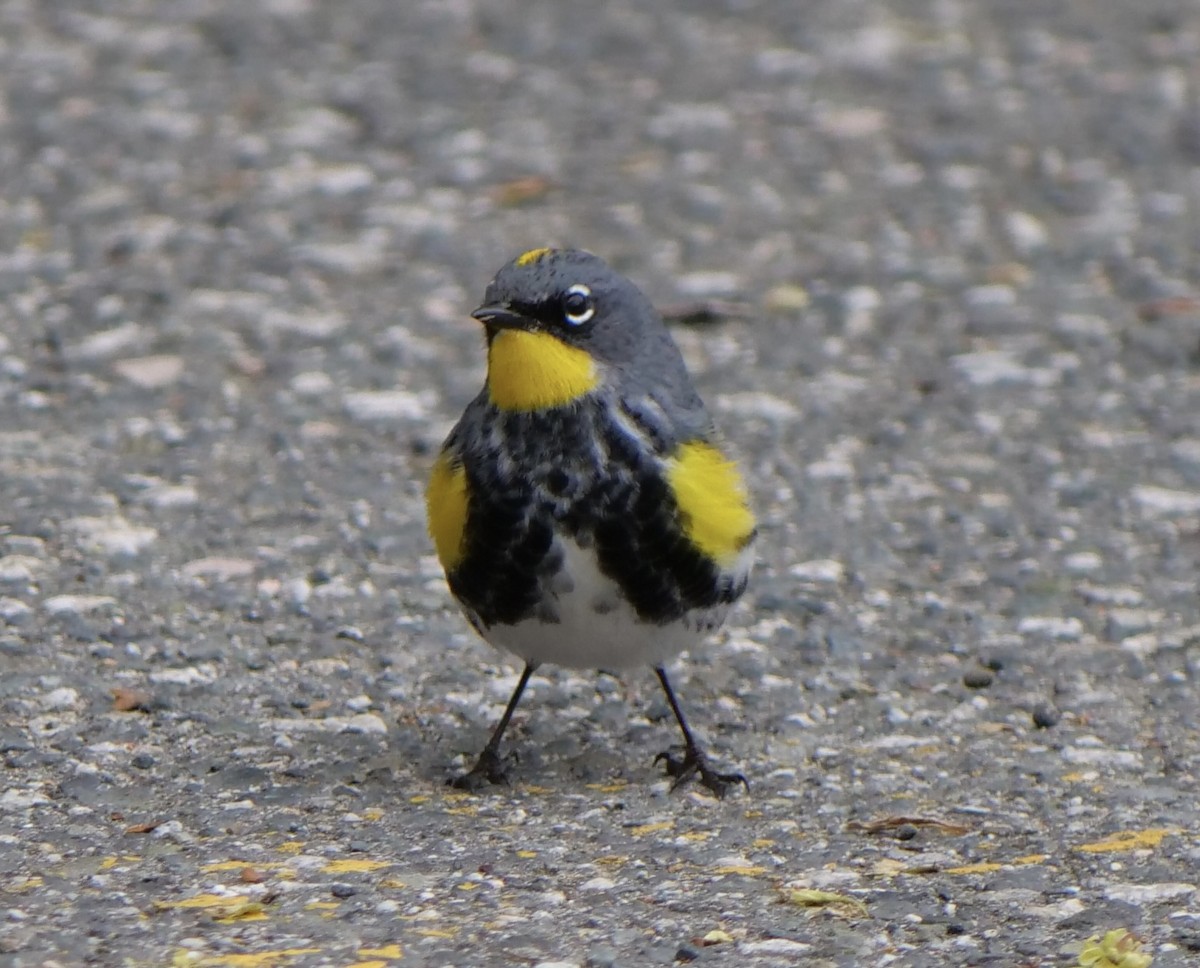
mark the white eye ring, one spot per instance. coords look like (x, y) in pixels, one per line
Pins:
(577, 304)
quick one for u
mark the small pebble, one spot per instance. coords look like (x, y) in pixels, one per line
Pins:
(979, 678)
(686, 954)
(143, 761)
(343, 890)
(906, 831)
(1045, 715)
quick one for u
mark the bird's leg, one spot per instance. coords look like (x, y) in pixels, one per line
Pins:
(695, 760)
(489, 768)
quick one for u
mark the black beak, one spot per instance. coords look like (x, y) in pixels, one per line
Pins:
(499, 316)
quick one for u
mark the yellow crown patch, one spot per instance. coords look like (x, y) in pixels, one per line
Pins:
(532, 256)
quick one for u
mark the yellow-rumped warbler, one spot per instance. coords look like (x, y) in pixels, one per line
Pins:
(581, 507)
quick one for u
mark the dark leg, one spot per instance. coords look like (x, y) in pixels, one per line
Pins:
(489, 768)
(695, 761)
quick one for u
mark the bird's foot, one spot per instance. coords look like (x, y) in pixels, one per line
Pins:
(694, 763)
(491, 767)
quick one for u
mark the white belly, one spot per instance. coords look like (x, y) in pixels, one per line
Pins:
(596, 628)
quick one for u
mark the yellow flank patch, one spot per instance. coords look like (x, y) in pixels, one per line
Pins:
(530, 257)
(712, 500)
(446, 509)
(536, 371)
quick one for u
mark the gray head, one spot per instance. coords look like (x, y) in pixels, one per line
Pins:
(574, 296)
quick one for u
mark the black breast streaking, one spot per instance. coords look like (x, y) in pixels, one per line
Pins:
(575, 472)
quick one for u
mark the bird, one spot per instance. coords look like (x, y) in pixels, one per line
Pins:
(584, 508)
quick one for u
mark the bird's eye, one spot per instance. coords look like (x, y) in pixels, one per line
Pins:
(577, 305)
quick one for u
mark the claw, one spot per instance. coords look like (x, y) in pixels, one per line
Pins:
(489, 768)
(695, 763)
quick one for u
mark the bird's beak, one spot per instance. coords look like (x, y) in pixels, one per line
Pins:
(499, 316)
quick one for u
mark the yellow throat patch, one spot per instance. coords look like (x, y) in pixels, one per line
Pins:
(446, 510)
(535, 371)
(712, 500)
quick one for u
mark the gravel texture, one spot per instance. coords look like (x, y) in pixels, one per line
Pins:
(951, 251)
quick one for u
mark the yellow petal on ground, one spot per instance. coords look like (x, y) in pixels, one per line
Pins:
(393, 882)
(249, 911)
(353, 865)
(237, 865)
(651, 828)
(716, 937)
(262, 959)
(290, 847)
(373, 814)
(740, 869)
(1127, 840)
(811, 897)
(203, 901)
(470, 811)
(785, 298)
(984, 868)
(615, 787)
(1031, 859)
(696, 836)
(436, 933)
(367, 964)
(387, 951)
(527, 854)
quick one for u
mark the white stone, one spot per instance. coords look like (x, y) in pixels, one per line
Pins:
(220, 569)
(63, 698)
(821, 571)
(774, 946)
(1026, 233)
(112, 535)
(1051, 626)
(989, 368)
(14, 611)
(151, 372)
(16, 569)
(312, 383)
(1101, 756)
(109, 342)
(1142, 894)
(1166, 502)
(188, 676)
(18, 798)
(388, 405)
(1080, 563)
(76, 604)
(170, 496)
(755, 404)
(598, 884)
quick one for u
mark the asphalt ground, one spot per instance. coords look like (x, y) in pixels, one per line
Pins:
(934, 265)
